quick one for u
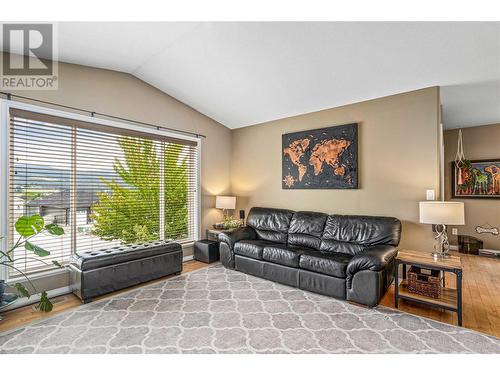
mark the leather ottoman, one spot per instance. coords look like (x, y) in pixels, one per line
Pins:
(94, 273)
(206, 251)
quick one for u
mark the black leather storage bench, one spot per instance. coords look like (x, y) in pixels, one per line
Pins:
(94, 273)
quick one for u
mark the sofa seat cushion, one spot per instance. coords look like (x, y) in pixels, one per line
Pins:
(286, 255)
(328, 263)
(251, 248)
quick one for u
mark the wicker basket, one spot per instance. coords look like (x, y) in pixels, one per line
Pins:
(424, 282)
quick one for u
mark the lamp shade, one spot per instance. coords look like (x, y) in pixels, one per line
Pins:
(438, 212)
(225, 202)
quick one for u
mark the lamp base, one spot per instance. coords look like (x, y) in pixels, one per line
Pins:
(438, 255)
(442, 245)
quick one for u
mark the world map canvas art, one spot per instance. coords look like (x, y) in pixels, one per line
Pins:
(324, 158)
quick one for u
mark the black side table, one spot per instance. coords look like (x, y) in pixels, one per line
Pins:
(206, 251)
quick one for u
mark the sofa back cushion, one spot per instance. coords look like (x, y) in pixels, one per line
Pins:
(270, 224)
(351, 233)
(306, 229)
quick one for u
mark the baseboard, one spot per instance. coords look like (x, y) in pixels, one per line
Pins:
(35, 298)
(187, 258)
(489, 252)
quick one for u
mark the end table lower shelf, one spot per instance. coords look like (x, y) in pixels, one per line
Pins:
(447, 299)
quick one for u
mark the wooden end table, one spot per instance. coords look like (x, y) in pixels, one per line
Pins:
(450, 299)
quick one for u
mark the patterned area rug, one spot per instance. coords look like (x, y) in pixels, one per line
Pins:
(215, 310)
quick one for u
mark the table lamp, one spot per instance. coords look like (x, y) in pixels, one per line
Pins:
(440, 214)
(224, 202)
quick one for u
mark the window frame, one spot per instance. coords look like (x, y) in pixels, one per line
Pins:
(6, 105)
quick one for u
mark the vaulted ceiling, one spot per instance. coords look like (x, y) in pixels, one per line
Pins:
(246, 73)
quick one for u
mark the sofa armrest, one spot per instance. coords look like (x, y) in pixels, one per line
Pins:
(227, 241)
(373, 258)
(244, 233)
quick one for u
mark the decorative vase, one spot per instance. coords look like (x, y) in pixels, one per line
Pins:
(2, 289)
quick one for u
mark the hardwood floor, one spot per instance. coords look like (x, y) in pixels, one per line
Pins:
(481, 299)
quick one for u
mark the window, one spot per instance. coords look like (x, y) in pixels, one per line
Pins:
(104, 185)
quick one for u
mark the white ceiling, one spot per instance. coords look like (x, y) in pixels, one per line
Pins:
(471, 104)
(246, 73)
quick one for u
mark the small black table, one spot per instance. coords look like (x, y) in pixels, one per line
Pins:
(206, 251)
(450, 299)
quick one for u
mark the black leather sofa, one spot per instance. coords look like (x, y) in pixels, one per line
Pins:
(343, 256)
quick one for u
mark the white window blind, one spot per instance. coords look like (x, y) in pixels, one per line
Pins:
(104, 185)
(40, 170)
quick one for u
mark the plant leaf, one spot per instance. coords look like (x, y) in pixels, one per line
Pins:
(57, 264)
(37, 222)
(23, 227)
(29, 225)
(36, 249)
(22, 290)
(54, 229)
(45, 304)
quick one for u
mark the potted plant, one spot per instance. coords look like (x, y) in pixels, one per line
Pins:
(231, 223)
(28, 227)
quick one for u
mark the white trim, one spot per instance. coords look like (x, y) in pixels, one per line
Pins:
(186, 244)
(21, 302)
(441, 162)
(4, 167)
(39, 275)
(96, 120)
(187, 258)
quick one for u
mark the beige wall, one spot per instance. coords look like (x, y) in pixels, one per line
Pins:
(398, 161)
(481, 142)
(123, 95)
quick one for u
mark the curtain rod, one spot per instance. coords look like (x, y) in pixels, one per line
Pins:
(9, 96)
